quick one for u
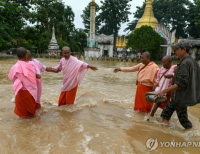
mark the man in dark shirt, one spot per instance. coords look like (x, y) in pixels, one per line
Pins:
(185, 89)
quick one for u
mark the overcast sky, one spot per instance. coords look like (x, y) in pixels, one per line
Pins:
(79, 5)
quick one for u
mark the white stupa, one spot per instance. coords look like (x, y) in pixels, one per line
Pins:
(53, 45)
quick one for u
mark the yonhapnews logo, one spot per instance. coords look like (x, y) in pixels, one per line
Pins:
(152, 144)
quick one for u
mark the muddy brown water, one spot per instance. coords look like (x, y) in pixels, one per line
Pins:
(101, 121)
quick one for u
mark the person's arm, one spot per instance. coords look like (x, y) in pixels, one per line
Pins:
(43, 68)
(181, 82)
(50, 69)
(92, 67)
(169, 76)
(87, 66)
(55, 69)
(155, 85)
(170, 89)
(128, 69)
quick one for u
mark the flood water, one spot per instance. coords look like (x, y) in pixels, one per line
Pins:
(101, 121)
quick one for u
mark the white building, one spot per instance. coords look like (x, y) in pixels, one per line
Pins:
(98, 46)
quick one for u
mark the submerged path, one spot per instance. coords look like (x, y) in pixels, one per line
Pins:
(101, 121)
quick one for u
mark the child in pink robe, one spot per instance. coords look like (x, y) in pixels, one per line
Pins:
(23, 76)
(167, 69)
(74, 71)
(39, 67)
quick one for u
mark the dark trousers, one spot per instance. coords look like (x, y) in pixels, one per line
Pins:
(180, 111)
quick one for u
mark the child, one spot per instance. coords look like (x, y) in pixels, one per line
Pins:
(39, 68)
(23, 76)
(74, 71)
(167, 69)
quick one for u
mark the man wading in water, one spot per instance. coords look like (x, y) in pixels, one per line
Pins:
(185, 89)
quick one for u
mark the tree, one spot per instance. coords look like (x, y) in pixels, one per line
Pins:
(113, 13)
(145, 39)
(131, 26)
(194, 19)
(86, 19)
(78, 41)
(14, 15)
(49, 13)
(12, 18)
(43, 13)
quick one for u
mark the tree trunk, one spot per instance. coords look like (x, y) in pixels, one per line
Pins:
(48, 29)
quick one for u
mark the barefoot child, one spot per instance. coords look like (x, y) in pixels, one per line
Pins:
(23, 76)
(74, 71)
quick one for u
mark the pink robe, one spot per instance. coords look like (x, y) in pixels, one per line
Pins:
(168, 82)
(39, 68)
(23, 76)
(74, 71)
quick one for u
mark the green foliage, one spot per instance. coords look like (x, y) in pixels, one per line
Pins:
(194, 19)
(15, 14)
(78, 41)
(145, 39)
(113, 13)
(12, 19)
(61, 43)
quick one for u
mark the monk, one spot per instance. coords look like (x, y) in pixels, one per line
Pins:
(23, 76)
(146, 78)
(39, 67)
(166, 69)
(74, 71)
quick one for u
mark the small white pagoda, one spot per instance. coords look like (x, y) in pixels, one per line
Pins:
(53, 45)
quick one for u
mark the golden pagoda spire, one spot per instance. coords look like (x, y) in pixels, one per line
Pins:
(148, 16)
(120, 42)
(124, 43)
(117, 42)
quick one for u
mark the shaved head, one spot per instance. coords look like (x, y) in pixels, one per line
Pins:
(66, 48)
(66, 52)
(29, 55)
(147, 54)
(21, 52)
(167, 62)
(169, 58)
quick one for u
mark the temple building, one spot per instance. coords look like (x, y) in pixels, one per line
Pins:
(98, 46)
(148, 18)
(121, 51)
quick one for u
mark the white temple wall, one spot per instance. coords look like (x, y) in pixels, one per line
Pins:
(101, 49)
(92, 54)
(110, 50)
(120, 55)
